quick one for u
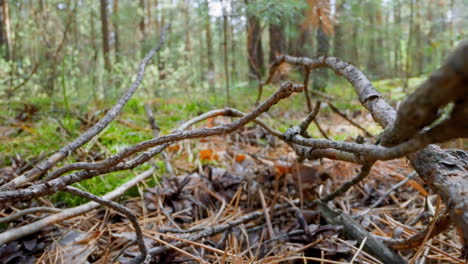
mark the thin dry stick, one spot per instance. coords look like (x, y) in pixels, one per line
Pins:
(321, 129)
(428, 235)
(383, 197)
(183, 252)
(442, 223)
(27, 211)
(210, 231)
(345, 117)
(306, 90)
(310, 117)
(359, 250)
(271, 73)
(117, 207)
(266, 213)
(345, 187)
(155, 130)
(365, 152)
(62, 153)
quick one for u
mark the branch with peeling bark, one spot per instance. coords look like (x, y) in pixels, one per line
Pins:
(444, 173)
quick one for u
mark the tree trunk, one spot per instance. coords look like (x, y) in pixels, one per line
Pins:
(210, 74)
(354, 40)
(233, 53)
(372, 56)
(254, 47)
(142, 26)
(428, 60)
(2, 32)
(277, 41)
(225, 53)
(115, 24)
(148, 16)
(419, 43)
(6, 29)
(397, 45)
(105, 35)
(380, 44)
(300, 45)
(323, 46)
(188, 27)
(338, 45)
(156, 18)
(95, 49)
(408, 46)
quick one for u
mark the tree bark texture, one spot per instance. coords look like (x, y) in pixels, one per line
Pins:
(254, 47)
(6, 29)
(210, 74)
(115, 24)
(105, 35)
(277, 41)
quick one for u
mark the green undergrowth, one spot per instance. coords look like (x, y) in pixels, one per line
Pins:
(56, 124)
(104, 184)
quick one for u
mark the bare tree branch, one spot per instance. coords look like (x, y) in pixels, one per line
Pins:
(119, 208)
(444, 173)
(114, 163)
(19, 232)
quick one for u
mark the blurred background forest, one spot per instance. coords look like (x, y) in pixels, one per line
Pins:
(80, 52)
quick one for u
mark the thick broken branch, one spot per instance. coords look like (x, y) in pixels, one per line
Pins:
(444, 173)
(420, 109)
(354, 231)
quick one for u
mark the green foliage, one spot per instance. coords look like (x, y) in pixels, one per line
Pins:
(100, 186)
(277, 11)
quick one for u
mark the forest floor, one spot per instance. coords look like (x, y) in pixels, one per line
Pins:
(246, 185)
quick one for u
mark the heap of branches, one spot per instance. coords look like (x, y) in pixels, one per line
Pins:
(408, 132)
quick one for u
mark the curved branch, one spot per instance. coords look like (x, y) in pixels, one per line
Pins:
(112, 164)
(444, 173)
(447, 84)
(119, 208)
(22, 231)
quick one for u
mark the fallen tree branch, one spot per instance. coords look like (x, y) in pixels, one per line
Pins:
(445, 85)
(115, 163)
(33, 210)
(22, 231)
(355, 231)
(444, 173)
